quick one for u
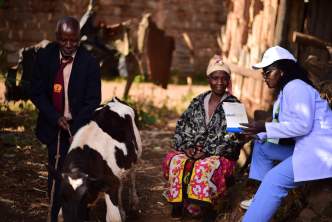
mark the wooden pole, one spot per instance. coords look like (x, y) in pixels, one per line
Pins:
(281, 26)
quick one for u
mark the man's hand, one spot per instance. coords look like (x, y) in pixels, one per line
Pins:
(253, 128)
(63, 123)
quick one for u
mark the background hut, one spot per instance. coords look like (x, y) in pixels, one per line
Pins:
(303, 27)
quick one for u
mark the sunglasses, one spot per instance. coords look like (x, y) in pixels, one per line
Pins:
(266, 74)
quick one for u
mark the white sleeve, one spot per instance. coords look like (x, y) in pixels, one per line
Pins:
(297, 110)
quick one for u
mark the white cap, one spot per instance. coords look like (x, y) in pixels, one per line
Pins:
(273, 54)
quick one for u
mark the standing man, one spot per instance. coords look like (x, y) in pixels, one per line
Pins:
(66, 89)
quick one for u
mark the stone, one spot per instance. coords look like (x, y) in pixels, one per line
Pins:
(307, 215)
(320, 197)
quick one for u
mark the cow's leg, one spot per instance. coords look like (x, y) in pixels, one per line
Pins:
(134, 196)
(113, 212)
(122, 212)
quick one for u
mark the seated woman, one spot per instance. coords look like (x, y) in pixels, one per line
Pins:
(205, 154)
(299, 113)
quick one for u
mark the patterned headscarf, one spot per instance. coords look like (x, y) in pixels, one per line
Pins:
(216, 64)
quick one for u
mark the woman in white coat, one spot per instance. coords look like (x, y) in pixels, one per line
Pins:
(300, 135)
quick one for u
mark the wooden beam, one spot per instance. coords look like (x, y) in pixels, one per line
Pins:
(311, 40)
(239, 70)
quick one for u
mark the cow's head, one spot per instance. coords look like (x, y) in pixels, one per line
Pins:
(74, 192)
(81, 183)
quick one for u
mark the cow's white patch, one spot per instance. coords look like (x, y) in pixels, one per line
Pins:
(122, 146)
(138, 139)
(121, 109)
(113, 212)
(93, 136)
(75, 182)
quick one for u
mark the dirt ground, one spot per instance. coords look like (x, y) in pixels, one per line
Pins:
(23, 159)
(23, 181)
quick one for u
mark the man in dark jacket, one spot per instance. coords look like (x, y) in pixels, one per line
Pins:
(66, 89)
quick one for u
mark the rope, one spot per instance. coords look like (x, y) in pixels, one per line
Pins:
(57, 157)
(70, 135)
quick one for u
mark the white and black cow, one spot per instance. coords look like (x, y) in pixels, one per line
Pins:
(102, 154)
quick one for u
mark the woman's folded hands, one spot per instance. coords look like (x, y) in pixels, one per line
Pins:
(195, 152)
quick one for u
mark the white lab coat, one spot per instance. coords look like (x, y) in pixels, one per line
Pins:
(305, 116)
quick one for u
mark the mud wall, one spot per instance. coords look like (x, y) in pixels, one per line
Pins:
(24, 23)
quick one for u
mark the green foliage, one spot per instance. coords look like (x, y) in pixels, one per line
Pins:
(18, 114)
(149, 114)
(146, 118)
(179, 78)
(17, 124)
(200, 79)
(143, 110)
(187, 97)
(140, 78)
